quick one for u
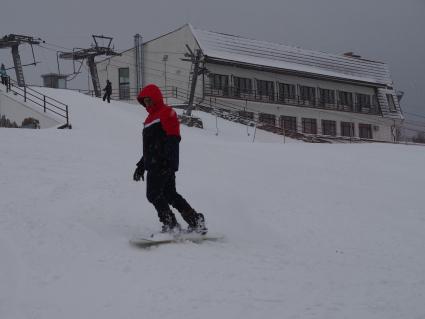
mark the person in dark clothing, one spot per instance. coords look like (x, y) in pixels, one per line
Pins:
(108, 91)
(3, 74)
(161, 138)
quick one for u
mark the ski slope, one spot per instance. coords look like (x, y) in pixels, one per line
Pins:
(311, 231)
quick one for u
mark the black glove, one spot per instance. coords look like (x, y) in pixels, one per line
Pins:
(139, 173)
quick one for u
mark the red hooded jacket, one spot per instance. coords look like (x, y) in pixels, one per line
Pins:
(161, 133)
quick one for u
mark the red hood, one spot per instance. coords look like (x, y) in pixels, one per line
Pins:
(152, 91)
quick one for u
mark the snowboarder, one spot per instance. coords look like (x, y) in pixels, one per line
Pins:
(3, 74)
(108, 91)
(161, 138)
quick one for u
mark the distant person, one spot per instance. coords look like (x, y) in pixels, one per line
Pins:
(161, 138)
(3, 74)
(108, 91)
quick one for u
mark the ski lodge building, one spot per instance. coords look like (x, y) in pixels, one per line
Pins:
(295, 90)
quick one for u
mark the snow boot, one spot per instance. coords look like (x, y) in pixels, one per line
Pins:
(169, 222)
(171, 229)
(195, 221)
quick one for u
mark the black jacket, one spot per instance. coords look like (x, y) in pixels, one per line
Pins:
(108, 88)
(161, 133)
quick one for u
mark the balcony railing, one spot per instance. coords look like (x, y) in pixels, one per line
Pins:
(295, 100)
(132, 93)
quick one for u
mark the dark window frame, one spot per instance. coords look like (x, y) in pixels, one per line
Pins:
(265, 88)
(287, 91)
(242, 85)
(288, 123)
(124, 86)
(326, 96)
(219, 82)
(365, 131)
(363, 101)
(391, 103)
(266, 118)
(345, 99)
(347, 129)
(309, 125)
(246, 115)
(307, 93)
(329, 127)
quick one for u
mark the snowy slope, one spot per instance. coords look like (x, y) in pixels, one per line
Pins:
(312, 231)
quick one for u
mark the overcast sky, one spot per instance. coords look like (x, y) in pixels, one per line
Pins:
(392, 31)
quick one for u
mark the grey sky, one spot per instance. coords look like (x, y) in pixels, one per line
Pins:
(386, 30)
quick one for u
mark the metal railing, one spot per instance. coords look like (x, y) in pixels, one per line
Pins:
(131, 93)
(267, 122)
(232, 111)
(41, 100)
(294, 100)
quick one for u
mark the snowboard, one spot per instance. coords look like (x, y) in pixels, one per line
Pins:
(163, 239)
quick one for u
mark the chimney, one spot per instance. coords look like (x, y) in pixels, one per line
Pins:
(138, 45)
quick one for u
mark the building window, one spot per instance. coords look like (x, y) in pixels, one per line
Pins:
(286, 91)
(363, 101)
(326, 96)
(375, 104)
(328, 127)
(309, 126)
(246, 115)
(347, 129)
(307, 94)
(288, 123)
(124, 83)
(365, 131)
(345, 99)
(268, 119)
(219, 84)
(391, 103)
(265, 89)
(242, 85)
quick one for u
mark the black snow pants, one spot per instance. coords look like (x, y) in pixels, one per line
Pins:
(161, 192)
(107, 96)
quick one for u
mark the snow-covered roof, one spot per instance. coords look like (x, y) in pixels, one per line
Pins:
(231, 48)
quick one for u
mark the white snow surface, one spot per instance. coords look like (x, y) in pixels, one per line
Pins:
(311, 231)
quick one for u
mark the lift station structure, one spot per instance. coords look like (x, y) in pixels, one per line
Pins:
(14, 41)
(90, 54)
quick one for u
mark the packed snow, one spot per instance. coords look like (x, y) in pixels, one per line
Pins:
(310, 231)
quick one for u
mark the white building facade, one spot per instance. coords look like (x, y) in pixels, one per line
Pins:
(299, 91)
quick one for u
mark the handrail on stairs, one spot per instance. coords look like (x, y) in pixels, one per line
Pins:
(46, 102)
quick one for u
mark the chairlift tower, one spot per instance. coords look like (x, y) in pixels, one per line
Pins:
(90, 54)
(195, 58)
(14, 41)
